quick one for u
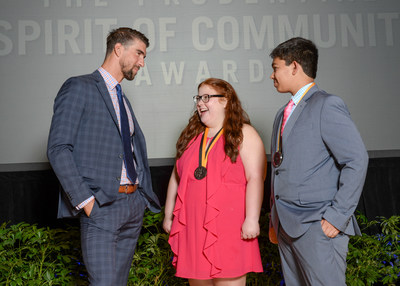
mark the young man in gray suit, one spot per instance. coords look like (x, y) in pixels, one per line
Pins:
(98, 153)
(319, 164)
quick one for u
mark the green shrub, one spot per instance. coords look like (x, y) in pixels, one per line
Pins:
(42, 256)
(374, 259)
(39, 256)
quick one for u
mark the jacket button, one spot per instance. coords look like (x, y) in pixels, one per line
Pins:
(277, 197)
(277, 173)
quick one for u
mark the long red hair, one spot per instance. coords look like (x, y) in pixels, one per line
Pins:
(235, 117)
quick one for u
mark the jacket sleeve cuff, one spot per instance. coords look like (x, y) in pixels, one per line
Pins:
(338, 220)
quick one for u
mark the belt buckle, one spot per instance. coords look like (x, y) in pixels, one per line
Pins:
(126, 187)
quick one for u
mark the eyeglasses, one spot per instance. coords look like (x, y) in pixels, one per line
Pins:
(205, 97)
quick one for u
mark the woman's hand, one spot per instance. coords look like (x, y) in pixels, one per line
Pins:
(250, 229)
(167, 223)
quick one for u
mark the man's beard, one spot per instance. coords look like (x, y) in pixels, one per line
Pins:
(128, 73)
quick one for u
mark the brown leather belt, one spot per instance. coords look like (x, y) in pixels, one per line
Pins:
(127, 189)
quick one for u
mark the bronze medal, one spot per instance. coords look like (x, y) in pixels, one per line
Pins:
(200, 172)
(277, 159)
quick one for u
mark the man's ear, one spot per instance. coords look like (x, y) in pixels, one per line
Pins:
(296, 67)
(118, 48)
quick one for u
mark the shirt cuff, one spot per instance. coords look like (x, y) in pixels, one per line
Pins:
(84, 203)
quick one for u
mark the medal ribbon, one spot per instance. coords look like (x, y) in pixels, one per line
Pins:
(203, 153)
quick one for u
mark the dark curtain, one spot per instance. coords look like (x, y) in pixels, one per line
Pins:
(29, 197)
(381, 194)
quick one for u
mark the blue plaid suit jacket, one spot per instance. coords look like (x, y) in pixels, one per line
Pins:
(85, 146)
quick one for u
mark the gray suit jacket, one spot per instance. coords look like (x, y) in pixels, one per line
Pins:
(323, 169)
(85, 146)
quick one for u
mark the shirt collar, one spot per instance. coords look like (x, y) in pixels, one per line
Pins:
(110, 81)
(299, 94)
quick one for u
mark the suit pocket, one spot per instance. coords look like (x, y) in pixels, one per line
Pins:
(94, 209)
(316, 196)
(318, 226)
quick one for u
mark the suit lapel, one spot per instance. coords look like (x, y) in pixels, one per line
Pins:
(106, 95)
(290, 124)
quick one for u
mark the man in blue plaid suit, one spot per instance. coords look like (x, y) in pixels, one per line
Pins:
(86, 152)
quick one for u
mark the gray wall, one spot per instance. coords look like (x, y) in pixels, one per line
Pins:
(44, 42)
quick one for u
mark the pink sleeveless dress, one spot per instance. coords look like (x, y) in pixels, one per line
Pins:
(208, 216)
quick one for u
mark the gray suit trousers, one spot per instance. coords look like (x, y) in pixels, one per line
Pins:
(313, 259)
(109, 237)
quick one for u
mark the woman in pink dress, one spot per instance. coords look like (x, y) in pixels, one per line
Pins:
(215, 191)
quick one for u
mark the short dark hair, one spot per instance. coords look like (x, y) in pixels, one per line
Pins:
(300, 50)
(124, 36)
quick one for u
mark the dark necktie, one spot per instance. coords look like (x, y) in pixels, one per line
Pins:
(126, 134)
